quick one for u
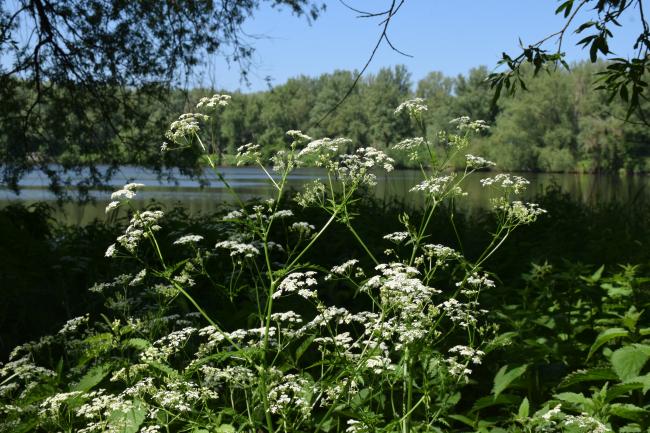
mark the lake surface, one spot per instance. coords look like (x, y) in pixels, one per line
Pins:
(252, 183)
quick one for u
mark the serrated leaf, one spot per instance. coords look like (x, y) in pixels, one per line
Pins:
(137, 343)
(628, 411)
(588, 376)
(628, 361)
(92, 377)
(604, 337)
(644, 381)
(622, 389)
(504, 378)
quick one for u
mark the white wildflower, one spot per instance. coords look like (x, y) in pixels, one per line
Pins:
(478, 162)
(298, 282)
(187, 125)
(112, 205)
(248, 153)
(238, 248)
(464, 123)
(507, 182)
(413, 107)
(188, 239)
(397, 237)
(214, 102)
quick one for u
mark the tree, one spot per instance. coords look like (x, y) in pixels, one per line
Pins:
(90, 64)
(622, 77)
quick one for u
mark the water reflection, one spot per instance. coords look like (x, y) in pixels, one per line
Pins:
(252, 183)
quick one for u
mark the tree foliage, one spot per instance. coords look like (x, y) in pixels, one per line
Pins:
(75, 74)
(626, 78)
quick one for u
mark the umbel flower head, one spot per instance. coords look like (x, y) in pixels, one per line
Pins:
(413, 107)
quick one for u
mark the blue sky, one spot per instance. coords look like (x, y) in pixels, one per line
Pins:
(448, 36)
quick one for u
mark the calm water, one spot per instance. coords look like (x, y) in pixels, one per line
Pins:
(252, 182)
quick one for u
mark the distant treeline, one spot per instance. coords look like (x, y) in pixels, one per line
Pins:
(561, 124)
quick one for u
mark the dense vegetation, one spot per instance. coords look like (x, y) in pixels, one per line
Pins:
(303, 313)
(561, 124)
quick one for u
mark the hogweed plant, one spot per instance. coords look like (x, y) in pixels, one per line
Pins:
(396, 361)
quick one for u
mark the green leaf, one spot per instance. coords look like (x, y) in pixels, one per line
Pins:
(169, 371)
(622, 389)
(225, 428)
(594, 374)
(465, 420)
(504, 378)
(502, 399)
(129, 421)
(605, 336)
(92, 377)
(574, 398)
(628, 361)
(304, 346)
(524, 409)
(593, 278)
(628, 411)
(137, 343)
(644, 381)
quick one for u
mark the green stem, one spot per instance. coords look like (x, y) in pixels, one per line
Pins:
(363, 244)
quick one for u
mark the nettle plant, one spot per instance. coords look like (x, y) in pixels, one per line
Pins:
(395, 361)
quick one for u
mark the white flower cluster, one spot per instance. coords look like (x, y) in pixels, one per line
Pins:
(478, 162)
(283, 213)
(126, 193)
(188, 239)
(72, 325)
(477, 281)
(52, 404)
(186, 126)
(345, 268)
(412, 146)
(141, 226)
(439, 187)
(298, 136)
(409, 300)
(248, 153)
(355, 426)
(235, 375)
(441, 253)
(298, 282)
(474, 355)
(313, 193)
(507, 182)
(464, 123)
(302, 228)
(461, 313)
(518, 212)
(214, 102)
(287, 317)
(413, 107)
(182, 395)
(239, 249)
(586, 423)
(397, 237)
(321, 151)
(289, 395)
(354, 169)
